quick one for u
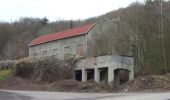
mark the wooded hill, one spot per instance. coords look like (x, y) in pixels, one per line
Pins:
(145, 24)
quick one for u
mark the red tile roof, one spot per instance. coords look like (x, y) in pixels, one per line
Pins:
(63, 34)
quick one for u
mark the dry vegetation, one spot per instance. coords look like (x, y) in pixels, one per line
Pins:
(142, 84)
(48, 74)
(53, 75)
(44, 70)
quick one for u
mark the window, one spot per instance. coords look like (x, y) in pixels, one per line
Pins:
(34, 54)
(55, 51)
(79, 49)
(67, 49)
(44, 53)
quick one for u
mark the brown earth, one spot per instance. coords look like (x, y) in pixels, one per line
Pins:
(147, 83)
(62, 86)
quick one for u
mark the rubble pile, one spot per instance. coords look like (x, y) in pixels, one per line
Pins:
(148, 83)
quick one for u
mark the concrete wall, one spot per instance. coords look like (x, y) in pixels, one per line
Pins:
(63, 48)
(111, 62)
(109, 37)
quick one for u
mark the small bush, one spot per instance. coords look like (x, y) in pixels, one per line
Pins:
(50, 70)
(8, 64)
(44, 70)
(24, 70)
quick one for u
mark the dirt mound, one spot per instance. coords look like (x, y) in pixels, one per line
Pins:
(75, 86)
(148, 83)
(16, 83)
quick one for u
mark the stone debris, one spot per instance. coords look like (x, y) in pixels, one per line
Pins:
(148, 83)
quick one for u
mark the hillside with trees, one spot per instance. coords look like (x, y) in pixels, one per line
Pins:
(141, 27)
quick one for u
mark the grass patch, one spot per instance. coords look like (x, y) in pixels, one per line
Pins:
(5, 74)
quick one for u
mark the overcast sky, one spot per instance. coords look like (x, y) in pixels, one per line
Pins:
(11, 10)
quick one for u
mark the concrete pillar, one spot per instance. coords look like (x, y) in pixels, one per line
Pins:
(131, 75)
(97, 75)
(84, 75)
(110, 74)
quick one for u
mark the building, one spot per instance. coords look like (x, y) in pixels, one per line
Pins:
(75, 43)
(66, 44)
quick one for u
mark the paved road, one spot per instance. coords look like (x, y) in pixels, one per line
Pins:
(35, 95)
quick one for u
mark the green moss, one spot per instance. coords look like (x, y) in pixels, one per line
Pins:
(5, 74)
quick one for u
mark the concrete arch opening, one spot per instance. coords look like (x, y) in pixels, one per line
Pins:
(121, 76)
(103, 74)
(78, 75)
(90, 74)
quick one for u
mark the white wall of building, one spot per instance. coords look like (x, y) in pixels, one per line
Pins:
(62, 48)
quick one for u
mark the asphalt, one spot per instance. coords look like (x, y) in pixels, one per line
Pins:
(13, 96)
(40, 95)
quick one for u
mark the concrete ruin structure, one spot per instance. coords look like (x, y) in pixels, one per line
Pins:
(75, 43)
(105, 68)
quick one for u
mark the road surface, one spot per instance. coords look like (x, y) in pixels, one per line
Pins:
(39, 95)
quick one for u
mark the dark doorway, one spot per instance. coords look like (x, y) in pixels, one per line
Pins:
(90, 74)
(121, 76)
(78, 75)
(103, 74)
